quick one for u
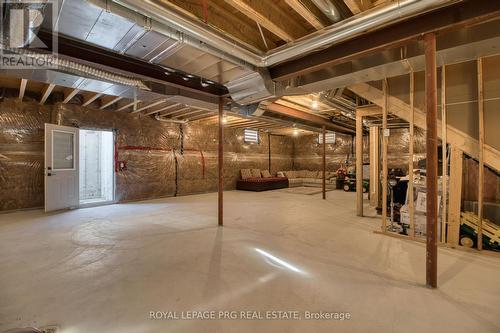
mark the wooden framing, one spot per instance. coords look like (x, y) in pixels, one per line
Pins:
(358, 6)
(480, 100)
(148, 106)
(22, 88)
(385, 138)
(455, 137)
(411, 153)
(374, 166)
(455, 200)
(250, 12)
(108, 101)
(89, 98)
(444, 183)
(359, 164)
(46, 92)
(69, 94)
(305, 13)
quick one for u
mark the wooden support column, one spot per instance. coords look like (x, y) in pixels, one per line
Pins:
(456, 166)
(220, 165)
(374, 165)
(444, 184)
(359, 164)
(324, 163)
(411, 199)
(481, 153)
(385, 140)
(432, 159)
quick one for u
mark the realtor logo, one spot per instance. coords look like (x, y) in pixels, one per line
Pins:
(23, 23)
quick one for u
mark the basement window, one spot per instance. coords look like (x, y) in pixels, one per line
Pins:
(330, 137)
(250, 135)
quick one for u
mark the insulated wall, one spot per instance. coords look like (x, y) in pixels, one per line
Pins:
(162, 159)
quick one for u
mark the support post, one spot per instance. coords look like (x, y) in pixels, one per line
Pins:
(411, 199)
(444, 183)
(432, 158)
(374, 165)
(324, 163)
(385, 139)
(220, 165)
(456, 166)
(269, 151)
(359, 164)
(481, 153)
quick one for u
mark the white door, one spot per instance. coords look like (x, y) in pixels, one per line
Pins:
(61, 167)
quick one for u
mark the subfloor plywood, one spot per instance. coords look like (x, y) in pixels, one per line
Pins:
(104, 269)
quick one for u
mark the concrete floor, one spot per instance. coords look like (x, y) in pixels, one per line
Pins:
(104, 269)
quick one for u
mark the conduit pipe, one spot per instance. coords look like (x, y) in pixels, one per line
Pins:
(210, 40)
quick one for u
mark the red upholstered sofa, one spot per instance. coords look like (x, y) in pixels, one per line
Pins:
(254, 180)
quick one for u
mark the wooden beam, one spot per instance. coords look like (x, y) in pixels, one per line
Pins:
(480, 88)
(303, 11)
(260, 19)
(22, 88)
(69, 94)
(148, 106)
(385, 140)
(126, 105)
(308, 117)
(89, 98)
(358, 6)
(160, 110)
(185, 108)
(359, 165)
(456, 166)
(109, 100)
(444, 151)
(455, 137)
(220, 164)
(411, 199)
(432, 159)
(374, 166)
(393, 36)
(46, 92)
(370, 110)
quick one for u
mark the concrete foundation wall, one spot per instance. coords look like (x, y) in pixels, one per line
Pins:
(160, 161)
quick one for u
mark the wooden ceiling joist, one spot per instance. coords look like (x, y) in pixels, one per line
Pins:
(184, 115)
(22, 88)
(303, 11)
(185, 108)
(126, 105)
(258, 17)
(109, 100)
(69, 94)
(162, 109)
(358, 6)
(46, 92)
(88, 98)
(145, 107)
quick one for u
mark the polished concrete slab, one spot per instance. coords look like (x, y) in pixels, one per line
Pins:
(105, 269)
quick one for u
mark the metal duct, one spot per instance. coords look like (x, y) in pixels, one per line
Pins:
(75, 67)
(329, 9)
(339, 32)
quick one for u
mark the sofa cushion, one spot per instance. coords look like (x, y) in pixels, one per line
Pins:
(291, 174)
(303, 173)
(266, 174)
(256, 173)
(246, 173)
(312, 174)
